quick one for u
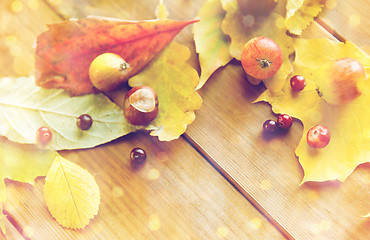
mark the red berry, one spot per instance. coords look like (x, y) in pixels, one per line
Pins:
(137, 156)
(43, 135)
(84, 122)
(298, 83)
(269, 126)
(318, 136)
(284, 121)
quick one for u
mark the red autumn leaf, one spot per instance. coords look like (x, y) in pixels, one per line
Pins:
(65, 52)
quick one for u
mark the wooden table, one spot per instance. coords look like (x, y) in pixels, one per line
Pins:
(221, 179)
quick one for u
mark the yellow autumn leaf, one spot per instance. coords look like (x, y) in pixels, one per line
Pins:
(174, 80)
(161, 11)
(300, 13)
(349, 124)
(71, 194)
(241, 30)
(210, 42)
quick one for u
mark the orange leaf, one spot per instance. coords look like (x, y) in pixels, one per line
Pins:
(65, 51)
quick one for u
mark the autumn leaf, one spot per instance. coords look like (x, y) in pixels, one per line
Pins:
(241, 30)
(174, 80)
(349, 124)
(71, 194)
(161, 11)
(25, 107)
(210, 42)
(65, 51)
(300, 13)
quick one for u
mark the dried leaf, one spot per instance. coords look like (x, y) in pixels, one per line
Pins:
(241, 30)
(300, 13)
(71, 194)
(65, 51)
(174, 80)
(25, 107)
(349, 124)
(210, 42)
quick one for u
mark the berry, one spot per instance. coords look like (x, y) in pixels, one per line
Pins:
(137, 156)
(84, 122)
(284, 121)
(298, 83)
(270, 126)
(318, 136)
(43, 135)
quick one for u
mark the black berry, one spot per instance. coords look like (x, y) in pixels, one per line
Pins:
(84, 122)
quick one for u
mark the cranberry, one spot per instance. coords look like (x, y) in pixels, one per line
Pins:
(284, 121)
(270, 126)
(318, 136)
(137, 156)
(84, 122)
(298, 83)
(43, 135)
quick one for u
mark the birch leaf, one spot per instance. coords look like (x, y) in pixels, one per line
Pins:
(25, 107)
(174, 80)
(272, 26)
(300, 13)
(71, 194)
(210, 42)
(349, 124)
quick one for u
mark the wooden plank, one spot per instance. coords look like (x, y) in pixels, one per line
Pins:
(228, 131)
(350, 20)
(176, 194)
(12, 233)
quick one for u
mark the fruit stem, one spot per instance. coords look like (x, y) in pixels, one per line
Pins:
(124, 66)
(264, 63)
(318, 92)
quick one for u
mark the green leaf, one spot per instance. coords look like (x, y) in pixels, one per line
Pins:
(174, 80)
(71, 194)
(210, 42)
(21, 163)
(25, 107)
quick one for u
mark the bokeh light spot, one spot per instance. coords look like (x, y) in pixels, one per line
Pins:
(222, 231)
(154, 222)
(256, 223)
(16, 6)
(354, 20)
(153, 174)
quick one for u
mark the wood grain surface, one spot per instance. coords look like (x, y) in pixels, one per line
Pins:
(222, 179)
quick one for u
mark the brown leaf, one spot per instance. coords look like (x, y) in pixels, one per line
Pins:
(65, 51)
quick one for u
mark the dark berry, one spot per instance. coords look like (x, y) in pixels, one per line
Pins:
(137, 156)
(84, 122)
(284, 121)
(43, 135)
(270, 126)
(298, 83)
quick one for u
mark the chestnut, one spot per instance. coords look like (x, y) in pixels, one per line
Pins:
(140, 105)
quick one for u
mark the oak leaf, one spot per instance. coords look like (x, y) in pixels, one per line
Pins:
(210, 42)
(241, 30)
(300, 13)
(65, 52)
(349, 124)
(71, 194)
(25, 107)
(174, 80)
